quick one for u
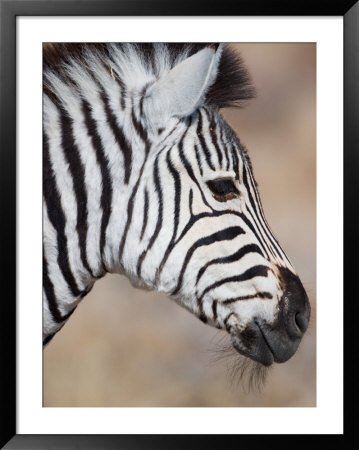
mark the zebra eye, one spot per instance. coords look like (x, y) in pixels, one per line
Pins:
(223, 189)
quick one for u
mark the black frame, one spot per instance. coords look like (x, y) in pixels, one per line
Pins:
(9, 10)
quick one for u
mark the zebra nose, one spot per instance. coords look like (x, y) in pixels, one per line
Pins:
(298, 315)
(302, 320)
(279, 341)
(296, 305)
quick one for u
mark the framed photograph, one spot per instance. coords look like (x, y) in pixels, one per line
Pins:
(131, 147)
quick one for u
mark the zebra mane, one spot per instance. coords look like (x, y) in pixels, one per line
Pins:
(136, 65)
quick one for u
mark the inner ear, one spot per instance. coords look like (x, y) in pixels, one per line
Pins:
(183, 89)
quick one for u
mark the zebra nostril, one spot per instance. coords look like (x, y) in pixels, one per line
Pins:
(296, 311)
(301, 320)
(297, 323)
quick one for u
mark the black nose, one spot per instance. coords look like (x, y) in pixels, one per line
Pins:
(283, 337)
(301, 321)
(268, 342)
(295, 305)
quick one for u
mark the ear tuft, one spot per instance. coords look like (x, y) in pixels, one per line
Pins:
(183, 89)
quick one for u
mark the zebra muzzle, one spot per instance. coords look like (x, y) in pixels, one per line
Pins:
(264, 345)
(277, 342)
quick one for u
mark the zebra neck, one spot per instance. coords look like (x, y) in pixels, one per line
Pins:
(92, 171)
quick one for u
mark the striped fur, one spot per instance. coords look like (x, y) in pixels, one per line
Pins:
(129, 156)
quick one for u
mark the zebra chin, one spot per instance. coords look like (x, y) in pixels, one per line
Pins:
(264, 345)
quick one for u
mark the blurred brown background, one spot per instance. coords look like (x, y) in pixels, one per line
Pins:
(100, 359)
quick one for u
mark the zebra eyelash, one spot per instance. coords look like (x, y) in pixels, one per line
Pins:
(223, 189)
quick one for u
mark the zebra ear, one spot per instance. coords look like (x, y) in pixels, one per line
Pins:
(182, 90)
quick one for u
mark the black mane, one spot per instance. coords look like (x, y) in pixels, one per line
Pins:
(231, 88)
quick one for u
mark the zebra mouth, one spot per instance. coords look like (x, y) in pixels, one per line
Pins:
(265, 341)
(253, 344)
(281, 346)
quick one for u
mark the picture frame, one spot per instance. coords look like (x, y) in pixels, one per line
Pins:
(10, 10)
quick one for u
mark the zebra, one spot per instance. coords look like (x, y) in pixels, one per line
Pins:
(142, 176)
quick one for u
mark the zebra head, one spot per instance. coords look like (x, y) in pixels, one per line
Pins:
(202, 235)
(143, 176)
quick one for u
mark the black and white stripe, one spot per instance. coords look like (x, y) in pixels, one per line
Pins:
(127, 175)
